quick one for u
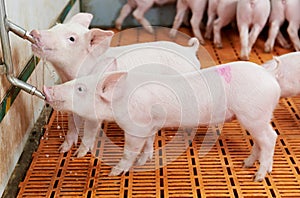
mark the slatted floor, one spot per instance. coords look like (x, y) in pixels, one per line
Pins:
(180, 167)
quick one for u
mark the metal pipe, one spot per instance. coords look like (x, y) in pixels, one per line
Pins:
(5, 27)
(20, 31)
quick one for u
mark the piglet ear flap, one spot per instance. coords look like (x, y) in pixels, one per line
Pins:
(99, 40)
(111, 86)
(82, 18)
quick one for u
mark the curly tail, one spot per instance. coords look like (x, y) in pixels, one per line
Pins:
(194, 43)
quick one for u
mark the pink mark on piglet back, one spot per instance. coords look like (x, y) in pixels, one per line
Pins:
(225, 71)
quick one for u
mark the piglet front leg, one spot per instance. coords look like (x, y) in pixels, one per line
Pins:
(91, 129)
(132, 148)
(74, 123)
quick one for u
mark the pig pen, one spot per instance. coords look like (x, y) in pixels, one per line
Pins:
(218, 173)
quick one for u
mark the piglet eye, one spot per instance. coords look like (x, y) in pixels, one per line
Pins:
(80, 88)
(72, 39)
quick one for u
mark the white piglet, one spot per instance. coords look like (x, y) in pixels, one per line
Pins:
(286, 69)
(282, 10)
(74, 50)
(198, 8)
(142, 103)
(253, 13)
(140, 7)
(220, 13)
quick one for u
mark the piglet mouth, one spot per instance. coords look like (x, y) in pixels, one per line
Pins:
(50, 99)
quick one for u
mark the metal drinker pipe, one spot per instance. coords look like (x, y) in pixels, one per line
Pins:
(5, 27)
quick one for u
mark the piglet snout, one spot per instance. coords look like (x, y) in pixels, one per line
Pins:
(36, 35)
(47, 92)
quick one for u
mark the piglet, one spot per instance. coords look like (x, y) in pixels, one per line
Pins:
(75, 50)
(142, 103)
(253, 13)
(282, 10)
(286, 69)
(220, 13)
(140, 8)
(198, 8)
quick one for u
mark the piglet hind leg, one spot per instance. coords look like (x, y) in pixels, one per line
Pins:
(147, 153)
(139, 16)
(244, 39)
(273, 32)
(293, 33)
(125, 11)
(132, 148)
(263, 150)
(267, 144)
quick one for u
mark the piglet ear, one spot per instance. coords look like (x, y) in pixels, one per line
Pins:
(110, 85)
(99, 40)
(82, 18)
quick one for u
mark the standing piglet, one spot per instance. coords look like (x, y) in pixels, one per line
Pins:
(253, 13)
(140, 8)
(286, 69)
(282, 10)
(74, 50)
(142, 103)
(225, 11)
(198, 8)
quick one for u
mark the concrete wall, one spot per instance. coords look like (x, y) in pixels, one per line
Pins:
(21, 115)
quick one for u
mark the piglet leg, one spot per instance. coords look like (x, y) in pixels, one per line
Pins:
(273, 31)
(181, 9)
(74, 123)
(147, 152)
(139, 16)
(91, 129)
(132, 148)
(125, 11)
(293, 33)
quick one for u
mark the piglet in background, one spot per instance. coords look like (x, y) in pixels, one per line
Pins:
(140, 7)
(74, 50)
(282, 10)
(141, 103)
(286, 69)
(220, 13)
(253, 13)
(198, 8)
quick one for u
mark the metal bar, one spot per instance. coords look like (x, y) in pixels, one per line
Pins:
(20, 31)
(6, 26)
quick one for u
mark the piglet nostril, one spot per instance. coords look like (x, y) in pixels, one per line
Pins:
(36, 35)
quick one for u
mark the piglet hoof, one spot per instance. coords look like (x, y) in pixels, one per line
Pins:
(115, 171)
(149, 29)
(286, 46)
(297, 48)
(219, 45)
(207, 36)
(65, 147)
(201, 40)
(248, 163)
(244, 57)
(268, 49)
(81, 151)
(144, 158)
(173, 33)
(259, 177)
(118, 25)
